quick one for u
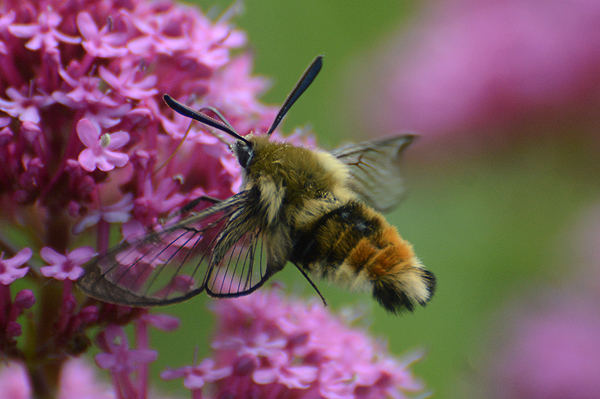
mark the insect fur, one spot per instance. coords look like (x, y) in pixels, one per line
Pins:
(318, 210)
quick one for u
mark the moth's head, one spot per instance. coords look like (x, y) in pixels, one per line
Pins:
(244, 152)
(245, 146)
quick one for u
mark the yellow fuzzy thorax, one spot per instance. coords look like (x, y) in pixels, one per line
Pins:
(305, 180)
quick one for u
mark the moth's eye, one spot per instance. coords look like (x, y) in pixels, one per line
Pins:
(244, 153)
(345, 214)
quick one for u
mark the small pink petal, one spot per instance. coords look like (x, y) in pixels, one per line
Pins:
(88, 133)
(51, 256)
(87, 160)
(87, 26)
(118, 140)
(81, 255)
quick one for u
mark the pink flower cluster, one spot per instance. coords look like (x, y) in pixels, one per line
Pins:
(548, 348)
(267, 347)
(77, 380)
(83, 137)
(129, 368)
(80, 88)
(85, 147)
(473, 74)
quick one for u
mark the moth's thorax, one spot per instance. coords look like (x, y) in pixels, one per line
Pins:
(303, 180)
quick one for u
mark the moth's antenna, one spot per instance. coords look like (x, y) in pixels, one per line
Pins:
(219, 114)
(200, 117)
(307, 78)
(311, 283)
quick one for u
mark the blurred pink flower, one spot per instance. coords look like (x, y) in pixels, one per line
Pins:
(474, 74)
(77, 380)
(65, 267)
(14, 381)
(100, 43)
(267, 346)
(117, 356)
(195, 377)
(548, 349)
(10, 268)
(44, 32)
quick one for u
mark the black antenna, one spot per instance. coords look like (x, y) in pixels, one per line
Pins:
(307, 78)
(202, 118)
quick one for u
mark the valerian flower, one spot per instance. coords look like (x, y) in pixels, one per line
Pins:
(100, 148)
(77, 380)
(11, 270)
(83, 135)
(545, 346)
(85, 162)
(65, 267)
(270, 346)
(473, 75)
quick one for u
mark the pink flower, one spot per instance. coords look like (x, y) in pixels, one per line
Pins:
(195, 377)
(241, 93)
(9, 268)
(115, 213)
(107, 117)
(161, 322)
(117, 357)
(480, 74)
(83, 134)
(85, 89)
(100, 43)
(272, 347)
(156, 199)
(127, 84)
(14, 381)
(44, 34)
(549, 349)
(99, 153)
(159, 34)
(65, 267)
(5, 21)
(23, 107)
(77, 380)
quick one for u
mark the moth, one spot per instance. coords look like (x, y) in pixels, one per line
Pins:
(318, 210)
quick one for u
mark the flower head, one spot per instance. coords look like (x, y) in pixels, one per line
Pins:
(479, 74)
(77, 380)
(117, 356)
(44, 34)
(83, 135)
(549, 349)
(266, 345)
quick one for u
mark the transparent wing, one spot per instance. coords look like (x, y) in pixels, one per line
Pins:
(375, 170)
(218, 249)
(242, 268)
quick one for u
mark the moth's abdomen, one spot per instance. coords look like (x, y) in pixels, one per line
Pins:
(355, 246)
(398, 279)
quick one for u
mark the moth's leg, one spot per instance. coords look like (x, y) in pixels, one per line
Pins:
(192, 204)
(306, 276)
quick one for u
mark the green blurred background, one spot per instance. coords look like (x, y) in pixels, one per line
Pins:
(489, 228)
